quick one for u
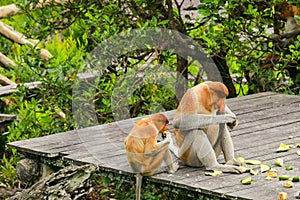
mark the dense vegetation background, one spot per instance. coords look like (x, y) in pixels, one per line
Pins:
(234, 33)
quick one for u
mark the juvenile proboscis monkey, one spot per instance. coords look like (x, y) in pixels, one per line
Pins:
(201, 124)
(144, 154)
(292, 30)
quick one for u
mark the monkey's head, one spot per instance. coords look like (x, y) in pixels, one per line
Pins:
(160, 121)
(218, 92)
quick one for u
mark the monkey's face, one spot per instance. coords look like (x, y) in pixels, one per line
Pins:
(217, 101)
(165, 128)
(160, 122)
(218, 92)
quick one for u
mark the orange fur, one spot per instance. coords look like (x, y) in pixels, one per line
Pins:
(289, 11)
(142, 139)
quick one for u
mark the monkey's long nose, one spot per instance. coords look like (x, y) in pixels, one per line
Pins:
(222, 105)
(165, 128)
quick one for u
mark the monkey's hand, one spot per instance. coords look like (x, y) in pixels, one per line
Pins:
(233, 125)
(231, 121)
(275, 37)
(230, 118)
(167, 136)
(159, 147)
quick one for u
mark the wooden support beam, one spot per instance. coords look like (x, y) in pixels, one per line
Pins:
(7, 117)
(9, 10)
(5, 81)
(6, 62)
(15, 36)
(9, 89)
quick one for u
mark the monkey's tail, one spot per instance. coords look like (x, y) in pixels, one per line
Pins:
(138, 186)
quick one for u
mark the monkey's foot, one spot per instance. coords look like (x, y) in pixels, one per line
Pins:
(173, 167)
(226, 169)
(236, 163)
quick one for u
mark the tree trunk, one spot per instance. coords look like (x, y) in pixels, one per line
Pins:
(182, 77)
(224, 71)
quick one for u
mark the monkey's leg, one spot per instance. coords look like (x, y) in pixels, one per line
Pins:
(227, 145)
(154, 162)
(138, 186)
(174, 148)
(194, 147)
(207, 156)
(172, 166)
(228, 111)
(228, 149)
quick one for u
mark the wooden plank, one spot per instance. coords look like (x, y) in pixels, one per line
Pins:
(274, 101)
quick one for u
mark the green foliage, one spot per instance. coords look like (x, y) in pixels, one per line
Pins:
(6, 2)
(241, 29)
(8, 174)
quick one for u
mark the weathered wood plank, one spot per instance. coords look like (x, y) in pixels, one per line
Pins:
(274, 101)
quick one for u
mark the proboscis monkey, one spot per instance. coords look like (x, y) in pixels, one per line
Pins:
(292, 30)
(292, 27)
(144, 154)
(201, 132)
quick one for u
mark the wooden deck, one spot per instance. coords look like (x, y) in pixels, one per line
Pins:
(265, 121)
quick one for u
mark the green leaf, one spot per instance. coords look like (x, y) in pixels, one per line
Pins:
(247, 180)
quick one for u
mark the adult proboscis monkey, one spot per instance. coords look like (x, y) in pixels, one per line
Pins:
(145, 155)
(201, 128)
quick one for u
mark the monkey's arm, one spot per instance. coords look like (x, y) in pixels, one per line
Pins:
(187, 122)
(291, 34)
(286, 37)
(160, 146)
